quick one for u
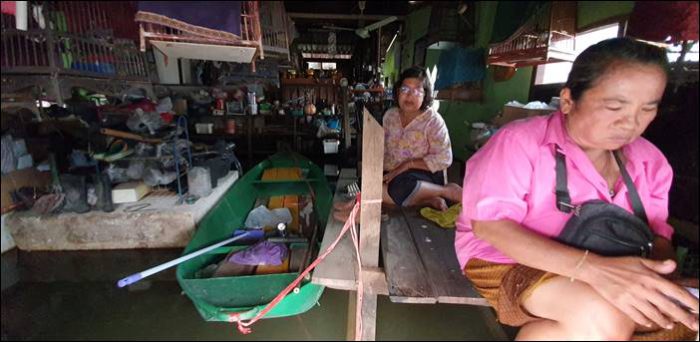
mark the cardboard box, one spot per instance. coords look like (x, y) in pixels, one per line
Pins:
(330, 146)
(129, 192)
(512, 113)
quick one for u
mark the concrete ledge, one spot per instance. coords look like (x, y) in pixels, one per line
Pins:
(162, 224)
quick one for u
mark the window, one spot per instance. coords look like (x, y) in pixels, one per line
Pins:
(328, 66)
(322, 65)
(551, 73)
(674, 52)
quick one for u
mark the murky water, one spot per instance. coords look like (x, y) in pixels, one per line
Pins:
(72, 295)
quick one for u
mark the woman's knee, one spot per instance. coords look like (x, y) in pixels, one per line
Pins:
(599, 320)
(584, 313)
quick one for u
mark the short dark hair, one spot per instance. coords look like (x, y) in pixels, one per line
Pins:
(595, 61)
(421, 74)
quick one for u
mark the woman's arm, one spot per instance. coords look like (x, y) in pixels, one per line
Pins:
(634, 285)
(529, 248)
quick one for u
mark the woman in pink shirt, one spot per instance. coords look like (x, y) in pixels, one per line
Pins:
(505, 239)
(417, 147)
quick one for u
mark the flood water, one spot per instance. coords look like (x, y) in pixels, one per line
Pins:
(73, 295)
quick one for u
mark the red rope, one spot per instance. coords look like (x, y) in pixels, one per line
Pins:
(243, 327)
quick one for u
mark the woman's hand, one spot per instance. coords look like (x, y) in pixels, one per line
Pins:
(636, 287)
(396, 171)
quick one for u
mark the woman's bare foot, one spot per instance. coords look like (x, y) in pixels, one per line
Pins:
(343, 215)
(453, 192)
(437, 203)
(343, 205)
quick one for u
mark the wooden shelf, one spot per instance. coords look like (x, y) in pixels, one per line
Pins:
(306, 81)
(368, 90)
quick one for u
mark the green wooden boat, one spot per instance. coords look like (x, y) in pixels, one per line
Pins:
(216, 298)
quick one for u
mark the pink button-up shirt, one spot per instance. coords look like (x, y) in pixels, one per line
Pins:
(513, 178)
(424, 138)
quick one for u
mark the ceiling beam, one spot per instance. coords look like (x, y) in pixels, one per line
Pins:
(333, 16)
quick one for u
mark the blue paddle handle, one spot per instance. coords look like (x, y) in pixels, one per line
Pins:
(129, 280)
(257, 234)
(253, 234)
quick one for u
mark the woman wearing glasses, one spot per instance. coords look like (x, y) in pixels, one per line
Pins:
(417, 147)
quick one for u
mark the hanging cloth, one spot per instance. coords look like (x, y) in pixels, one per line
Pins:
(675, 19)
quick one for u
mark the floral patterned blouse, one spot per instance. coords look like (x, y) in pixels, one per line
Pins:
(425, 137)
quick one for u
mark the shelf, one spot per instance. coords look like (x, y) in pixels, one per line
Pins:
(216, 135)
(381, 91)
(307, 81)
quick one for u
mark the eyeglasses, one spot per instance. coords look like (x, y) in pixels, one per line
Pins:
(408, 90)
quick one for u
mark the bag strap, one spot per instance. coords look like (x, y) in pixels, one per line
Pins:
(637, 205)
(562, 190)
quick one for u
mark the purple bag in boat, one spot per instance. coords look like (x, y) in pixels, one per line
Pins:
(262, 253)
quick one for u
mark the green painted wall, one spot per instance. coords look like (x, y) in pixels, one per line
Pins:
(589, 12)
(459, 115)
(389, 67)
(416, 27)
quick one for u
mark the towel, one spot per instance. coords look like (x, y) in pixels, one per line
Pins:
(445, 219)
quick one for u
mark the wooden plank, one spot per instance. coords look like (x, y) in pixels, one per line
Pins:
(346, 116)
(370, 212)
(336, 270)
(213, 52)
(435, 246)
(368, 314)
(374, 280)
(405, 273)
(372, 167)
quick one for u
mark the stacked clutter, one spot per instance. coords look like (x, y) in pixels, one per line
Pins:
(97, 151)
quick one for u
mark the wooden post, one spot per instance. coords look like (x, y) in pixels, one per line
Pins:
(370, 213)
(372, 166)
(53, 66)
(249, 120)
(346, 116)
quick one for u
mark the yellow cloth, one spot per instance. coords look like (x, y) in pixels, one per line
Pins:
(444, 219)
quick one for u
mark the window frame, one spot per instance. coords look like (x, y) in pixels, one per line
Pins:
(621, 20)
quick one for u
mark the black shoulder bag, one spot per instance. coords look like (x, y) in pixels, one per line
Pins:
(601, 227)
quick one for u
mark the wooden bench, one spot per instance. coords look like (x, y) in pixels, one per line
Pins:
(419, 261)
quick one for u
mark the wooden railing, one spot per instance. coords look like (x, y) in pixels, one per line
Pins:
(275, 28)
(69, 38)
(250, 31)
(531, 44)
(264, 25)
(45, 51)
